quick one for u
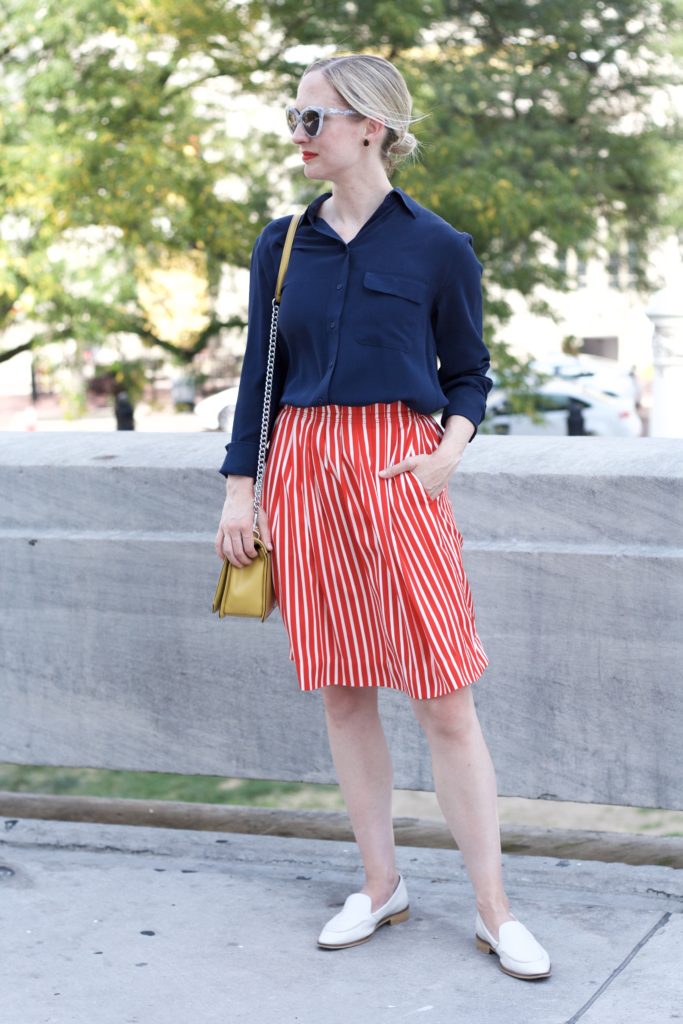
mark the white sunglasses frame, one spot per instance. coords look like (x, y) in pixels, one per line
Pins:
(320, 111)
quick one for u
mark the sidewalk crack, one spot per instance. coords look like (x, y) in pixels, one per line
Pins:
(622, 966)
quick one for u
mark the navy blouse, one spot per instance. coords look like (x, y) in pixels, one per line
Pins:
(394, 314)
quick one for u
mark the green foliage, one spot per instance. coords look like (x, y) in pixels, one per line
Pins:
(541, 126)
(100, 782)
(520, 379)
(127, 375)
(105, 145)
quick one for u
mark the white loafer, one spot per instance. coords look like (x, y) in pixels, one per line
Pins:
(356, 922)
(517, 950)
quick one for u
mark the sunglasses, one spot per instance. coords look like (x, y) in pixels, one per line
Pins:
(311, 118)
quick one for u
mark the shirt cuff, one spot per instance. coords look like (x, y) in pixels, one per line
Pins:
(468, 406)
(241, 460)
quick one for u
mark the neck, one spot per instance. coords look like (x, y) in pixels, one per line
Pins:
(354, 201)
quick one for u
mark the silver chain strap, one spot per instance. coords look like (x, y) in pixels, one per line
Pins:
(265, 419)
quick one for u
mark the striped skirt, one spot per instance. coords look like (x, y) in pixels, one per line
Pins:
(367, 571)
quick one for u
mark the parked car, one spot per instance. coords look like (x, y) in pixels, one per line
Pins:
(593, 372)
(601, 414)
(597, 413)
(216, 412)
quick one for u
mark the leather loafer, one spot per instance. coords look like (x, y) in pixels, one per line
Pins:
(356, 922)
(517, 950)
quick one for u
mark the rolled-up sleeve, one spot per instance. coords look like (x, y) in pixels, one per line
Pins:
(242, 451)
(464, 359)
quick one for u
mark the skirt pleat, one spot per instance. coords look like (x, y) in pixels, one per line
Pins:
(367, 571)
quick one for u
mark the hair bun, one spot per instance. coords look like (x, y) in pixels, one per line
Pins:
(404, 146)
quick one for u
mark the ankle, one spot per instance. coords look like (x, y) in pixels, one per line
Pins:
(382, 878)
(380, 887)
(494, 913)
(499, 904)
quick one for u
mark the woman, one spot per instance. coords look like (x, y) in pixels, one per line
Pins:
(380, 324)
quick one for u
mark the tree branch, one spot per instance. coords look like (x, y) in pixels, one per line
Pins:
(10, 353)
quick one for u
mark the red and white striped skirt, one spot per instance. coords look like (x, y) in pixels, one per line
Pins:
(367, 571)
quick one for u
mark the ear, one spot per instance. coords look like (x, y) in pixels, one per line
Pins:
(374, 130)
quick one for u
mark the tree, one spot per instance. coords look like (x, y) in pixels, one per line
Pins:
(548, 125)
(105, 145)
(541, 130)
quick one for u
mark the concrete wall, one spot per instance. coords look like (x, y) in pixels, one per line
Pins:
(110, 656)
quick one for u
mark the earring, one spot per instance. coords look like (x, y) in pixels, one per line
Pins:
(366, 142)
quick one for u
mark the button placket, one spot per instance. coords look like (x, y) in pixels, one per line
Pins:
(335, 311)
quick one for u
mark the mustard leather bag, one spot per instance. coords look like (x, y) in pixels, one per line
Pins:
(248, 590)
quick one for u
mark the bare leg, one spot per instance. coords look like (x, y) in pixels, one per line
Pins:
(465, 784)
(364, 770)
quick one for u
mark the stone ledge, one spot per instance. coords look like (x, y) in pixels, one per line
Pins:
(113, 659)
(609, 847)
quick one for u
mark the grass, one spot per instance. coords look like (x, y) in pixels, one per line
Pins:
(212, 789)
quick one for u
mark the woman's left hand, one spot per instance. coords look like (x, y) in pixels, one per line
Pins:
(433, 469)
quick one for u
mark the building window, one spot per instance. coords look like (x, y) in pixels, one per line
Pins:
(607, 347)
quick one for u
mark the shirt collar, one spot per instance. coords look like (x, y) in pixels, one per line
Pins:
(407, 201)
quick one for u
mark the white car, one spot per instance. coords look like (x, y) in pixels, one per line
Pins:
(597, 413)
(595, 373)
(602, 414)
(218, 411)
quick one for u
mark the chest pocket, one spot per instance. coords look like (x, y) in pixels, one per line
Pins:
(392, 311)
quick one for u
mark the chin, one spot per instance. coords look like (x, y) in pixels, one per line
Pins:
(313, 173)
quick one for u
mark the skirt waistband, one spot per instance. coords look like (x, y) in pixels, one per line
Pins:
(375, 411)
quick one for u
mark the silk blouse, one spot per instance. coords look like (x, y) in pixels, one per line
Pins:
(394, 314)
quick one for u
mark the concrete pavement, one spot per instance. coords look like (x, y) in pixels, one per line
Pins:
(118, 924)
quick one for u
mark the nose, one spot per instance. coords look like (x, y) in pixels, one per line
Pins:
(299, 135)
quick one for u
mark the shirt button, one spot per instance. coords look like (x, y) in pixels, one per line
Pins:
(339, 286)
(333, 323)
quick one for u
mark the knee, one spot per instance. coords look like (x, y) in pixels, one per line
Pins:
(452, 718)
(344, 704)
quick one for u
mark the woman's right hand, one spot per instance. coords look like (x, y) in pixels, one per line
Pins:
(235, 536)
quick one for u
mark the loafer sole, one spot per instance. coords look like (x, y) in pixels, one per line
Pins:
(396, 918)
(485, 947)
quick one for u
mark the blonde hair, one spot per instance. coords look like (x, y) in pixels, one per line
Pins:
(376, 89)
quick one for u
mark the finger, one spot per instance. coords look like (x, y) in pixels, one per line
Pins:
(224, 546)
(227, 551)
(398, 467)
(248, 544)
(244, 548)
(237, 554)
